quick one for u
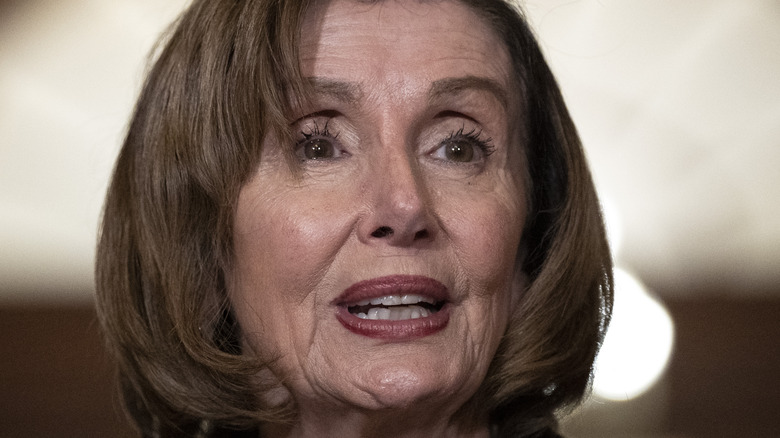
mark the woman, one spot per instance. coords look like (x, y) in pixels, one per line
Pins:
(351, 218)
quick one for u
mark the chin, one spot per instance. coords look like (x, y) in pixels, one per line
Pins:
(402, 387)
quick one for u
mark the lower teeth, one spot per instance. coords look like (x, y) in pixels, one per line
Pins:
(398, 313)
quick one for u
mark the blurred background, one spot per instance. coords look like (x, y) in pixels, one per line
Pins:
(678, 106)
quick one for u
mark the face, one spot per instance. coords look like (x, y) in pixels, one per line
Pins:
(381, 275)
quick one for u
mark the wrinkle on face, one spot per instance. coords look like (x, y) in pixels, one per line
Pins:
(393, 86)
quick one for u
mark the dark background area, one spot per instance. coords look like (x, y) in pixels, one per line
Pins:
(57, 380)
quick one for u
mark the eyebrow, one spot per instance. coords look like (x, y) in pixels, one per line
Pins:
(443, 87)
(351, 93)
(346, 92)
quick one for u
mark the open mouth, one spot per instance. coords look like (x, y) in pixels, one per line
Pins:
(396, 307)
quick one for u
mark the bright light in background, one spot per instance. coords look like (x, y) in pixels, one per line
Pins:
(639, 341)
(613, 223)
(638, 344)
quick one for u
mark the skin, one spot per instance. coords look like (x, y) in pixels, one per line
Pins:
(390, 89)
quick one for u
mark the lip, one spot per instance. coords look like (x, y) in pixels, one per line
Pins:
(394, 285)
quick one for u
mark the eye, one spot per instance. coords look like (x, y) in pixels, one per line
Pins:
(454, 150)
(316, 149)
(318, 144)
(463, 147)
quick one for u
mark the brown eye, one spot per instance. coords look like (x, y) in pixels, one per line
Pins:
(463, 147)
(317, 149)
(459, 151)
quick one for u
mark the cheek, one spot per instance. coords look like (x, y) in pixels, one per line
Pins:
(486, 235)
(283, 246)
(288, 238)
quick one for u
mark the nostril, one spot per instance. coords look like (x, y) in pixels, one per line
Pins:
(382, 232)
(422, 234)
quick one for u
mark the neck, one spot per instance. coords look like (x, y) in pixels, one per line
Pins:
(407, 424)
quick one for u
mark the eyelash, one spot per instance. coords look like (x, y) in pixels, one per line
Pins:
(315, 131)
(474, 136)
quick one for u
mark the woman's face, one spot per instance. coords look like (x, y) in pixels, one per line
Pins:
(381, 276)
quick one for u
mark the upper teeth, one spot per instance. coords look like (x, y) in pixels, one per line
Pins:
(396, 300)
(395, 313)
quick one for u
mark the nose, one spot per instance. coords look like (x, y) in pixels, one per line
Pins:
(398, 211)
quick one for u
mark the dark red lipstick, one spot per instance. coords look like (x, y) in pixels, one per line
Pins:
(398, 307)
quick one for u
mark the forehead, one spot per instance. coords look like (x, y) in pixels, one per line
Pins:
(399, 42)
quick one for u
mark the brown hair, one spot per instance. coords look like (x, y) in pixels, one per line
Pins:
(225, 78)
